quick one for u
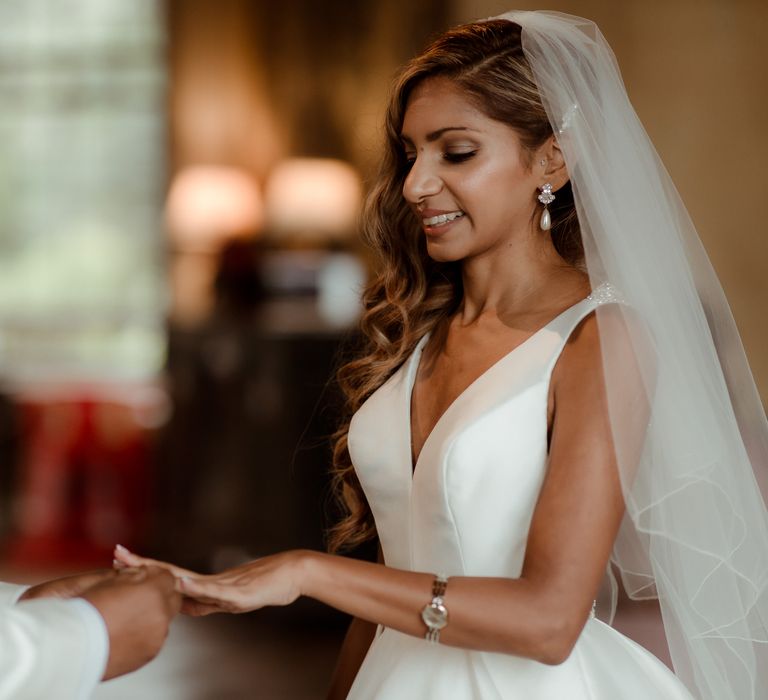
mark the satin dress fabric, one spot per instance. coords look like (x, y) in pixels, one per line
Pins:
(465, 510)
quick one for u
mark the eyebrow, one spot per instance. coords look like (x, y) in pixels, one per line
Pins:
(434, 135)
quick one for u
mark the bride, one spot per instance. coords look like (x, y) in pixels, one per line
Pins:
(552, 382)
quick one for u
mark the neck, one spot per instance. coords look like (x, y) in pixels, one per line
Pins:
(515, 278)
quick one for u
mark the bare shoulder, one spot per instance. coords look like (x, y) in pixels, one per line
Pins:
(581, 359)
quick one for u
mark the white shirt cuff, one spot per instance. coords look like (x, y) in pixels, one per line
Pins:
(10, 593)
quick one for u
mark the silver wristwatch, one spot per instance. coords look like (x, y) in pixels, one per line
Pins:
(435, 614)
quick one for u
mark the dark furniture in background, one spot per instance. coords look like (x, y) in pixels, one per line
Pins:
(242, 465)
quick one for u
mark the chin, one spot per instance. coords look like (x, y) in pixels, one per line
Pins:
(445, 253)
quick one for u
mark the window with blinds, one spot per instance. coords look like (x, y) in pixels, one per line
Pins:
(82, 174)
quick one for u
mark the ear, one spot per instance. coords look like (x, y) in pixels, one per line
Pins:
(550, 164)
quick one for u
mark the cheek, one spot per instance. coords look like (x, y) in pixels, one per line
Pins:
(498, 191)
(500, 171)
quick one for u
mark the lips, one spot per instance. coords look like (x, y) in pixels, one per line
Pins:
(441, 218)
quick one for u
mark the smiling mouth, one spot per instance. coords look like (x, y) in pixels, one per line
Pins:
(442, 219)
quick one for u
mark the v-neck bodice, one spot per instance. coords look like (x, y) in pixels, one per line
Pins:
(486, 375)
(466, 507)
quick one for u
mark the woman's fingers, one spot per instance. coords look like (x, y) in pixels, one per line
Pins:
(224, 596)
(124, 558)
(127, 558)
(203, 595)
(201, 590)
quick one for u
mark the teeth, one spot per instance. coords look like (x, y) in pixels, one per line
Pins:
(442, 218)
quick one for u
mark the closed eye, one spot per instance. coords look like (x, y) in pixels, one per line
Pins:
(458, 157)
(449, 157)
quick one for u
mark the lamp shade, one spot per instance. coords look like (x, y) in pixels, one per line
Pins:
(208, 205)
(312, 199)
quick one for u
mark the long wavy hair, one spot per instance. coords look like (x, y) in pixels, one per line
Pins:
(411, 293)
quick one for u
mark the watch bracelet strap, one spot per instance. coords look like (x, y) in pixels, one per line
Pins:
(438, 591)
(439, 585)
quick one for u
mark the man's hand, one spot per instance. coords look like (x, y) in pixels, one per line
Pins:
(69, 586)
(137, 606)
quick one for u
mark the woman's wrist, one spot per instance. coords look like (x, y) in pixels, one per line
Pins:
(309, 566)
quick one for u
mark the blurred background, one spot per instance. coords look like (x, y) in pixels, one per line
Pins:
(180, 270)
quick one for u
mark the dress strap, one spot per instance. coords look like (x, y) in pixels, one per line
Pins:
(566, 323)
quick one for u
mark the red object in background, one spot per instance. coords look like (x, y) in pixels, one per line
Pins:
(83, 482)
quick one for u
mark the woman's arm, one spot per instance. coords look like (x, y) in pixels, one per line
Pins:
(538, 615)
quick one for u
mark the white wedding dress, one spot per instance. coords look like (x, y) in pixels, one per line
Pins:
(465, 511)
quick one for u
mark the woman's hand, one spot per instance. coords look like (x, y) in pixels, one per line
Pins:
(272, 580)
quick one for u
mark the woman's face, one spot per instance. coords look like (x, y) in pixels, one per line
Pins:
(468, 182)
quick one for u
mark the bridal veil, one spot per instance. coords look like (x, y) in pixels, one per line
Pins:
(695, 534)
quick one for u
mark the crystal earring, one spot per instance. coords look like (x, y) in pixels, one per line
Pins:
(546, 198)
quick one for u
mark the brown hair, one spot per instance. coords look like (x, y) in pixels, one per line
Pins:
(412, 293)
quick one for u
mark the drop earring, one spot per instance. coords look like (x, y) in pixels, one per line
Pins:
(546, 198)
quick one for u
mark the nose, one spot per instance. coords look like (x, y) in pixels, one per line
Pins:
(422, 181)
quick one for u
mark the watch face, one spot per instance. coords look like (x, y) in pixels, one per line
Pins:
(435, 616)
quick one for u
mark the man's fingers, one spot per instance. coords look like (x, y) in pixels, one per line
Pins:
(161, 575)
(69, 586)
(131, 574)
(194, 608)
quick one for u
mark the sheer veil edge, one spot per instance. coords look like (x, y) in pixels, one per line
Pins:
(689, 429)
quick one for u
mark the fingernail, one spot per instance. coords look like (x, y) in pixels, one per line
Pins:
(115, 562)
(120, 548)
